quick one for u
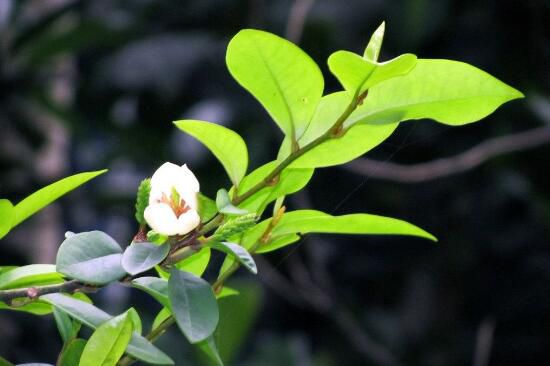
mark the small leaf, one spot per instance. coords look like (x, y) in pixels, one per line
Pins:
(154, 286)
(91, 257)
(35, 307)
(50, 193)
(108, 343)
(163, 315)
(154, 237)
(357, 74)
(282, 77)
(223, 202)
(226, 292)
(68, 328)
(208, 347)
(140, 257)
(193, 304)
(195, 264)
(449, 92)
(207, 208)
(238, 252)
(71, 353)
(28, 276)
(136, 320)
(7, 216)
(375, 44)
(142, 200)
(226, 145)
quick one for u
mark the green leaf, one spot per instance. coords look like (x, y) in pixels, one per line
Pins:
(238, 252)
(108, 343)
(31, 275)
(35, 307)
(234, 226)
(154, 237)
(91, 257)
(224, 205)
(72, 351)
(7, 216)
(278, 242)
(282, 77)
(136, 320)
(226, 145)
(226, 292)
(356, 141)
(209, 349)
(375, 44)
(195, 264)
(154, 286)
(93, 317)
(193, 304)
(163, 315)
(142, 200)
(4, 362)
(68, 328)
(357, 74)
(449, 92)
(50, 193)
(290, 181)
(140, 257)
(207, 208)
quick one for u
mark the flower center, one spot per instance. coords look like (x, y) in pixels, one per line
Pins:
(176, 203)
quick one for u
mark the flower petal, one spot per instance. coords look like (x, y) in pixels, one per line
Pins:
(188, 221)
(162, 219)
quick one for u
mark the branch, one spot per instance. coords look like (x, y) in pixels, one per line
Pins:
(33, 293)
(453, 165)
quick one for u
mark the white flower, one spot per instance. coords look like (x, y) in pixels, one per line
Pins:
(173, 200)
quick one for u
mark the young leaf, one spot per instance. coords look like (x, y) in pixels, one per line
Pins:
(135, 319)
(223, 202)
(91, 257)
(35, 307)
(31, 275)
(7, 216)
(207, 208)
(68, 328)
(163, 315)
(50, 193)
(278, 242)
(226, 292)
(357, 74)
(140, 257)
(71, 353)
(356, 141)
(375, 44)
(93, 317)
(142, 200)
(449, 92)
(108, 343)
(282, 77)
(154, 286)
(193, 304)
(238, 252)
(195, 264)
(234, 226)
(209, 349)
(225, 144)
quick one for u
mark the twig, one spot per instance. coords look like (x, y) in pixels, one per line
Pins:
(453, 165)
(33, 293)
(297, 18)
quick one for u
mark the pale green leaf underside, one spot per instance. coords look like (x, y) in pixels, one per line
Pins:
(50, 193)
(282, 77)
(449, 92)
(375, 44)
(239, 253)
(140, 257)
(226, 145)
(108, 342)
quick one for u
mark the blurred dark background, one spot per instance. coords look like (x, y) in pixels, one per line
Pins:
(87, 85)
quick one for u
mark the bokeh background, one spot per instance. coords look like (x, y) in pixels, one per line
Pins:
(86, 85)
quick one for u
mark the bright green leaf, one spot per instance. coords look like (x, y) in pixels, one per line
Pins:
(238, 252)
(195, 264)
(7, 216)
(136, 320)
(282, 77)
(72, 351)
(35, 307)
(207, 208)
(278, 242)
(140, 257)
(226, 292)
(209, 349)
(91, 257)
(43, 197)
(449, 92)
(31, 275)
(224, 205)
(108, 343)
(193, 304)
(375, 44)
(225, 144)
(163, 315)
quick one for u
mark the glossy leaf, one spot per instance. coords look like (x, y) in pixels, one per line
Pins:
(72, 351)
(154, 286)
(356, 141)
(282, 77)
(31, 275)
(357, 74)
(93, 317)
(35, 307)
(91, 257)
(238, 252)
(207, 208)
(193, 304)
(108, 343)
(449, 92)
(50, 193)
(278, 242)
(223, 202)
(375, 44)
(195, 264)
(7, 216)
(140, 257)
(226, 145)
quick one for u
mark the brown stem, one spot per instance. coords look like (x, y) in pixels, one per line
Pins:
(33, 293)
